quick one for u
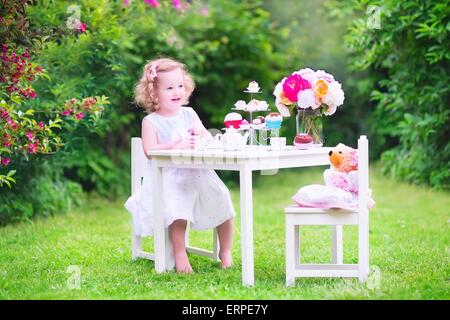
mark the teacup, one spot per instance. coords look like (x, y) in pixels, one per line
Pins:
(215, 142)
(278, 143)
(201, 143)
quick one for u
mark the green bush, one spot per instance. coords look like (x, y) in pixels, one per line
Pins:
(42, 191)
(35, 136)
(407, 56)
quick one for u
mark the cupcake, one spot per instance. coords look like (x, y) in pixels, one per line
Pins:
(245, 124)
(253, 87)
(263, 119)
(262, 106)
(256, 105)
(233, 119)
(274, 120)
(303, 141)
(240, 105)
(257, 123)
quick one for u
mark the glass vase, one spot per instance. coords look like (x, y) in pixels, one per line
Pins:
(309, 122)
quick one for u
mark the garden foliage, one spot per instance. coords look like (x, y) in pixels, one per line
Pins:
(34, 136)
(403, 47)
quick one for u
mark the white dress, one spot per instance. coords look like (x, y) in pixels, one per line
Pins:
(196, 195)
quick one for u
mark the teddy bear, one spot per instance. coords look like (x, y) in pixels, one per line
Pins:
(341, 183)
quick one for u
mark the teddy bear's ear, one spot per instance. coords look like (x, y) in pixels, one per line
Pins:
(354, 157)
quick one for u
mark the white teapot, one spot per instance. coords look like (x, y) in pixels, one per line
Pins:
(232, 140)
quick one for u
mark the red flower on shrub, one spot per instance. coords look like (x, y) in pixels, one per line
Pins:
(82, 27)
(67, 112)
(4, 114)
(5, 161)
(153, 3)
(79, 115)
(32, 148)
(176, 4)
(12, 124)
(30, 135)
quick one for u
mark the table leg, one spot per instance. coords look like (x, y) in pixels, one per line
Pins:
(158, 225)
(246, 199)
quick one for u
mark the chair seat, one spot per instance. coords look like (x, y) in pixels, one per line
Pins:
(316, 216)
(297, 209)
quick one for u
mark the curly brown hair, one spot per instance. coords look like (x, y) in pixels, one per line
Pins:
(145, 90)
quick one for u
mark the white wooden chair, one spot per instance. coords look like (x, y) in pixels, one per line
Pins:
(138, 164)
(296, 216)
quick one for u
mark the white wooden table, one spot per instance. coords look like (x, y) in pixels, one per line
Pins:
(253, 158)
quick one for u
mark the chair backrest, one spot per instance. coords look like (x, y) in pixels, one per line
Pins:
(363, 174)
(138, 163)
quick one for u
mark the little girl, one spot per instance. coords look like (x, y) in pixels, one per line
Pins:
(194, 195)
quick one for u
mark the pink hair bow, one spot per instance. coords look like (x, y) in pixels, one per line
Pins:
(153, 73)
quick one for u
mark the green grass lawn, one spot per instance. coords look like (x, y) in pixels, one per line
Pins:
(409, 242)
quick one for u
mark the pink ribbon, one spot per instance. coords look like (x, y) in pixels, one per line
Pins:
(153, 73)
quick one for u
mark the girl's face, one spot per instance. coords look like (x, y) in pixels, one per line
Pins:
(171, 91)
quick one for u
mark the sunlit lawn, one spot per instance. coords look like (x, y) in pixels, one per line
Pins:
(409, 242)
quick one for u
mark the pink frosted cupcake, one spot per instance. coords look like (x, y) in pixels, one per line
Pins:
(303, 141)
(233, 119)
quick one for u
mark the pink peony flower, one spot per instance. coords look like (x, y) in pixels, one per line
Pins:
(293, 85)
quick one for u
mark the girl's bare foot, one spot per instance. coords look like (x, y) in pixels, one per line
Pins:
(182, 263)
(226, 260)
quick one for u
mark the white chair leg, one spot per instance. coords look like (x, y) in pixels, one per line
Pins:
(136, 246)
(297, 255)
(215, 245)
(290, 263)
(337, 254)
(170, 258)
(363, 249)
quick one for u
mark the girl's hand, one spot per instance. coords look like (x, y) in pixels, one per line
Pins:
(187, 142)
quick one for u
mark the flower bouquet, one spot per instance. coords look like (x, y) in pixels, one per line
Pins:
(312, 94)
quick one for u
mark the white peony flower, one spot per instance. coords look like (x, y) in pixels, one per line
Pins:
(306, 99)
(334, 98)
(320, 74)
(284, 111)
(278, 89)
(330, 110)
